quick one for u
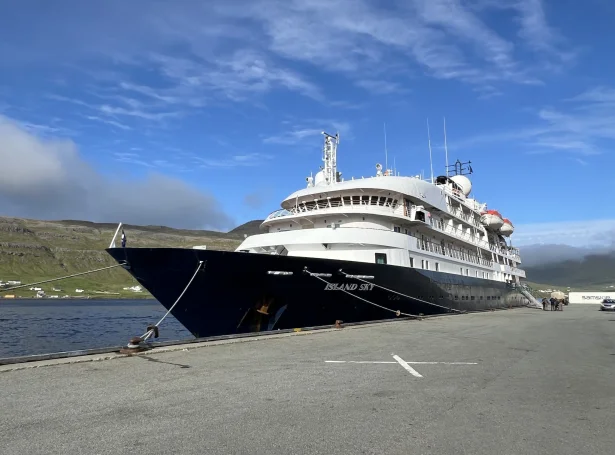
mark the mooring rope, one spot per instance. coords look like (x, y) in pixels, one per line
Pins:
(396, 312)
(154, 328)
(398, 293)
(63, 277)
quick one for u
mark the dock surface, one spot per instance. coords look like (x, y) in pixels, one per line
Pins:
(519, 381)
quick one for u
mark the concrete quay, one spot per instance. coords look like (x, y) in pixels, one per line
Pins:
(519, 381)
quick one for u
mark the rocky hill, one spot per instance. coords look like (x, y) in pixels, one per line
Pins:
(32, 250)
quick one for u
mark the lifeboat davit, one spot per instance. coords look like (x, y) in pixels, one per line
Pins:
(492, 220)
(507, 228)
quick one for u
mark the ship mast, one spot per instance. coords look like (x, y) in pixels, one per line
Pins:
(329, 157)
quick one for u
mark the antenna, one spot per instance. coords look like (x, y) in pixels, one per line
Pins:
(429, 143)
(386, 152)
(445, 147)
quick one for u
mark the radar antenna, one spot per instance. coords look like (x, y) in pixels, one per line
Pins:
(459, 168)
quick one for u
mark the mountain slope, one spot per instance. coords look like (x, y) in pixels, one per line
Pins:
(32, 250)
(592, 271)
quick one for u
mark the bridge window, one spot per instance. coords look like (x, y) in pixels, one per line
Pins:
(381, 258)
(396, 228)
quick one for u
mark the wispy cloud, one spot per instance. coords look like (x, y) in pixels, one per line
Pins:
(578, 126)
(120, 111)
(109, 122)
(241, 49)
(244, 160)
(381, 87)
(537, 33)
(574, 233)
(307, 131)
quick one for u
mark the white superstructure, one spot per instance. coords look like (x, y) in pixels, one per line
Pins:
(401, 221)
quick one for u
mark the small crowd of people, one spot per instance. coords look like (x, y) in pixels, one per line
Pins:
(556, 305)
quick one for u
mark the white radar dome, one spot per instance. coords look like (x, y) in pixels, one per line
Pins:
(464, 183)
(319, 178)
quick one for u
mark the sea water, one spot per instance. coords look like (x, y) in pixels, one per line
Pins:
(43, 326)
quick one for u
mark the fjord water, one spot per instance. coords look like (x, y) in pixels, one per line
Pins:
(42, 326)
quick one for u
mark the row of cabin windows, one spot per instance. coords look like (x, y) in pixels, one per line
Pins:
(352, 200)
(425, 266)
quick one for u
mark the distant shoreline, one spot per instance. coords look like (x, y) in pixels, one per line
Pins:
(91, 297)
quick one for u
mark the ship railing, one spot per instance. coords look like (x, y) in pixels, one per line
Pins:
(461, 234)
(427, 245)
(459, 213)
(312, 207)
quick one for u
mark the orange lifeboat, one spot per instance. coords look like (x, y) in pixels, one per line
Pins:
(507, 228)
(492, 220)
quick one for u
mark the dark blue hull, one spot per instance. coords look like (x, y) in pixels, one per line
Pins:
(236, 293)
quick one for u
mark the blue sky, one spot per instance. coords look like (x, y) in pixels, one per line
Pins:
(207, 114)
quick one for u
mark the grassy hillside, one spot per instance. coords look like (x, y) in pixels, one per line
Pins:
(32, 250)
(595, 271)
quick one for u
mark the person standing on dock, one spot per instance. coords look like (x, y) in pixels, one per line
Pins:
(123, 239)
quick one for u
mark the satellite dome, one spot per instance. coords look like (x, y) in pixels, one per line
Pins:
(464, 183)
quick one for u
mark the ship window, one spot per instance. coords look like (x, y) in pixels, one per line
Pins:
(437, 266)
(346, 200)
(456, 297)
(488, 298)
(356, 200)
(411, 261)
(477, 274)
(396, 228)
(426, 265)
(472, 297)
(461, 270)
(467, 272)
(406, 230)
(381, 258)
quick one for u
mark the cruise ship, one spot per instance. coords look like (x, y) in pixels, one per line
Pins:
(344, 251)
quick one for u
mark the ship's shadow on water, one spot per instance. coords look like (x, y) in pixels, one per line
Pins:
(149, 359)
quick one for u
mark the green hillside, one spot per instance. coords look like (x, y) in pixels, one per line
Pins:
(32, 250)
(595, 271)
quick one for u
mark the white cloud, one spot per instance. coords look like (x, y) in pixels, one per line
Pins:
(244, 160)
(47, 178)
(586, 233)
(109, 122)
(578, 127)
(308, 131)
(380, 86)
(238, 49)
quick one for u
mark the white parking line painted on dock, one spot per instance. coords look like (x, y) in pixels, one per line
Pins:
(353, 361)
(405, 364)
